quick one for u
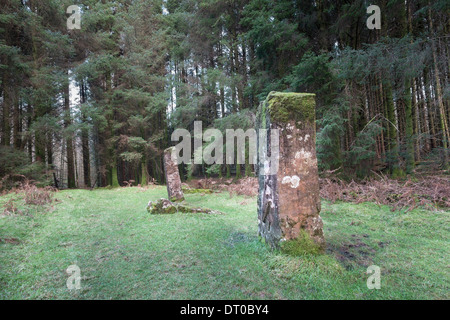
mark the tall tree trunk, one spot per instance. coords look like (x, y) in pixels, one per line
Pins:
(382, 111)
(49, 147)
(85, 140)
(396, 171)
(7, 103)
(408, 128)
(416, 121)
(16, 119)
(444, 123)
(233, 75)
(71, 183)
(114, 175)
(410, 163)
(430, 108)
(29, 140)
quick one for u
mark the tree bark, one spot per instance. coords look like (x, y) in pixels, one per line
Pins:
(71, 183)
(444, 123)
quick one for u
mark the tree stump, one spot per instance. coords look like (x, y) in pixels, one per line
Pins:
(172, 175)
(289, 201)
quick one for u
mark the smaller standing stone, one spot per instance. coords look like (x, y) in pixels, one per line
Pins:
(164, 206)
(172, 175)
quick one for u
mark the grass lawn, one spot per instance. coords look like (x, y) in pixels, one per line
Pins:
(124, 253)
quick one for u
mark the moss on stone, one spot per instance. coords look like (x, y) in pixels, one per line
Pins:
(164, 206)
(286, 106)
(303, 245)
(175, 199)
(115, 181)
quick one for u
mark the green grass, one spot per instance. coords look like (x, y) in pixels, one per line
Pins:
(124, 253)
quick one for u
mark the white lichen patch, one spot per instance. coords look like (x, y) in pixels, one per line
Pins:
(303, 154)
(286, 180)
(294, 181)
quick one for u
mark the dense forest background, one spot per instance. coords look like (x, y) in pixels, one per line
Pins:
(96, 106)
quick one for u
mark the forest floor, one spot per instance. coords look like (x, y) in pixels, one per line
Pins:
(124, 253)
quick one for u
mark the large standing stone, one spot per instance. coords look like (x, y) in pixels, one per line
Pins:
(288, 201)
(172, 175)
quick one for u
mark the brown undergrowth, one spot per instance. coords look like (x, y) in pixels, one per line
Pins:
(243, 187)
(28, 195)
(431, 192)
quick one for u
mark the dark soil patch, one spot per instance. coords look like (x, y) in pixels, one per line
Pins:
(353, 253)
(9, 240)
(383, 244)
